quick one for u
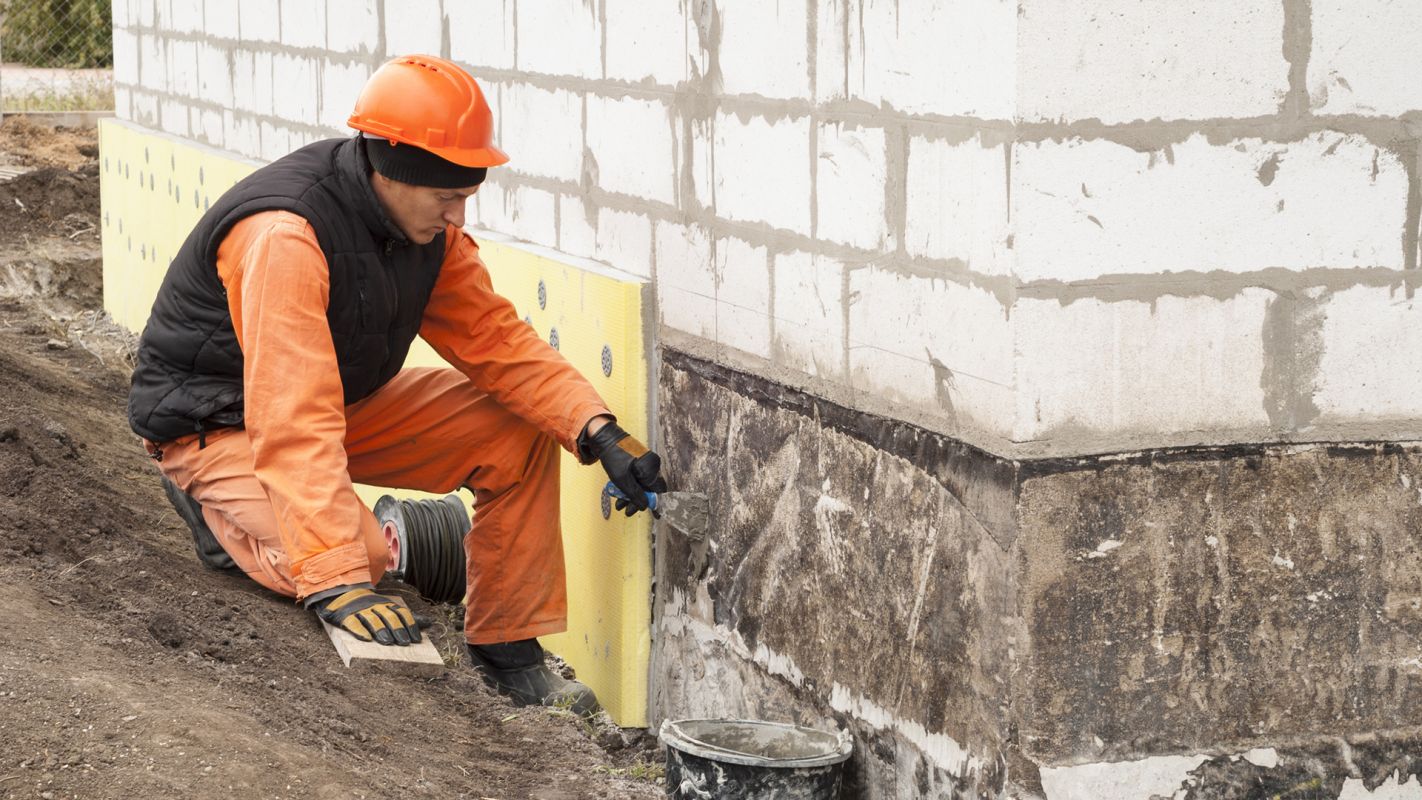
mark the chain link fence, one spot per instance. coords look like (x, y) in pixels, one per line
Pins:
(56, 55)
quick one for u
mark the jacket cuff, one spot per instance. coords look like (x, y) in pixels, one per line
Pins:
(583, 415)
(339, 566)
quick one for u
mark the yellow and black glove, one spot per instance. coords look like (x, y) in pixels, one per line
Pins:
(631, 466)
(367, 615)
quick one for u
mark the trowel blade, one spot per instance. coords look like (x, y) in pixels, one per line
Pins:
(688, 512)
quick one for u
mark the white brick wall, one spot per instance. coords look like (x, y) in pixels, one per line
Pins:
(299, 88)
(762, 170)
(809, 314)
(182, 68)
(145, 13)
(275, 141)
(686, 282)
(560, 37)
(241, 135)
(1371, 339)
(352, 26)
(946, 57)
(647, 41)
(957, 203)
(743, 302)
(412, 27)
(541, 130)
(340, 86)
(632, 143)
(831, 80)
(1173, 365)
(220, 18)
(624, 240)
(1364, 57)
(303, 23)
(1085, 209)
(252, 81)
(208, 126)
(763, 49)
(260, 20)
(214, 74)
(481, 32)
(1119, 62)
(152, 63)
(185, 16)
(849, 186)
(173, 116)
(125, 55)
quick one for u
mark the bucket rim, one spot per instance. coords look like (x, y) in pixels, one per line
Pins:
(676, 738)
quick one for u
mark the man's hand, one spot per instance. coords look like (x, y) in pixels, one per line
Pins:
(631, 466)
(367, 615)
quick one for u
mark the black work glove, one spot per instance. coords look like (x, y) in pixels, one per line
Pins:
(367, 615)
(632, 467)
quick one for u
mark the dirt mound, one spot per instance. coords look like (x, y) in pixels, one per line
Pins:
(127, 670)
(52, 202)
(25, 142)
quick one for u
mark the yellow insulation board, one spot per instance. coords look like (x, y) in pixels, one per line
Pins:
(153, 189)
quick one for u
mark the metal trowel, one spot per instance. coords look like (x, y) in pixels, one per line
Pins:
(688, 512)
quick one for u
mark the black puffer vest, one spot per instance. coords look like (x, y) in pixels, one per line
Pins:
(189, 374)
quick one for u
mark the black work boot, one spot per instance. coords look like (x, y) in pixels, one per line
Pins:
(209, 552)
(516, 671)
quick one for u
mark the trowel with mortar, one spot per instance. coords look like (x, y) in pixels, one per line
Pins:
(687, 512)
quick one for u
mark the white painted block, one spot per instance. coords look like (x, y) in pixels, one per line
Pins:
(946, 57)
(849, 186)
(152, 62)
(762, 171)
(763, 49)
(1368, 356)
(481, 32)
(241, 135)
(702, 135)
(208, 126)
(352, 26)
(1085, 209)
(252, 81)
(145, 109)
(173, 116)
(185, 16)
(214, 74)
(624, 240)
(412, 27)
(340, 86)
(1173, 365)
(686, 311)
(119, 14)
(297, 76)
(957, 204)
(631, 140)
(743, 301)
(1120, 62)
(145, 12)
(221, 18)
(809, 314)
(123, 103)
(260, 20)
(125, 56)
(1364, 57)
(541, 131)
(743, 329)
(683, 255)
(577, 227)
(520, 212)
(559, 37)
(303, 23)
(276, 141)
(182, 68)
(646, 42)
(831, 53)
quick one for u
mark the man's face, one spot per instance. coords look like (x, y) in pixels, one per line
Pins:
(421, 212)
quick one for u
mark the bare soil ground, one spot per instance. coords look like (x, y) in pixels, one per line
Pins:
(126, 669)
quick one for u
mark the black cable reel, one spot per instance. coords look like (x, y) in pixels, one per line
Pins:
(426, 541)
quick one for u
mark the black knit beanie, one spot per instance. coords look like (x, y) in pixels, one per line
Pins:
(409, 164)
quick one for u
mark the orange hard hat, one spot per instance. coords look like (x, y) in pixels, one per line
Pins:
(432, 104)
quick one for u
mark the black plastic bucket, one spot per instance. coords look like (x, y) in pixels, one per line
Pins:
(725, 759)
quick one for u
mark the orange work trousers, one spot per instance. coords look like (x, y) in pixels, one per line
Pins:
(427, 429)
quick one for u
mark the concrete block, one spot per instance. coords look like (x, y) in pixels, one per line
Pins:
(1365, 349)
(686, 311)
(646, 42)
(340, 85)
(743, 301)
(763, 49)
(849, 186)
(413, 27)
(221, 18)
(631, 140)
(702, 135)
(208, 126)
(145, 12)
(809, 314)
(541, 130)
(1120, 62)
(182, 68)
(945, 57)
(276, 141)
(241, 135)
(1085, 209)
(123, 102)
(125, 56)
(762, 171)
(1363, 58)
(481, 33)
(145, 109)
(299, 80)
(185, 16)
(303, 23)
(683, 255)
(519, 211)
(957, 204)
(260, 20)
(832, 18)
(252, 81)
(577, 227)
(624, 240)
(152, 62)
(119, 14)
(559, 37)
(1173, 365)
(214, 74)
(173, 116)
(352, 26)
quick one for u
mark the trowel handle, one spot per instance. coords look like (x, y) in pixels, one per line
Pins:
(611, 489)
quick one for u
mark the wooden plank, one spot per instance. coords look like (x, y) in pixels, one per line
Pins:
(415, 659)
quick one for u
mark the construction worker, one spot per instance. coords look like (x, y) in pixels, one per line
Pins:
(269, 379)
